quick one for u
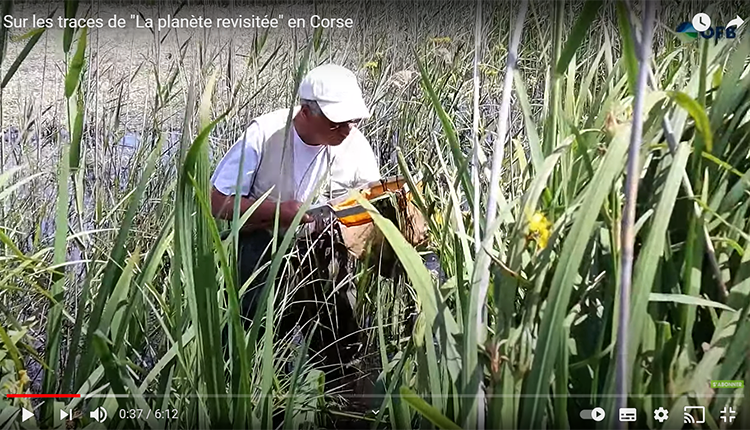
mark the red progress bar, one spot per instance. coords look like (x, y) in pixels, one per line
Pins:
(41, 396)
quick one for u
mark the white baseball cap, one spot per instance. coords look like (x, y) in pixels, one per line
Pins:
(337, 92)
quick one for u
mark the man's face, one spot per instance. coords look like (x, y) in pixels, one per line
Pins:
(325, 131)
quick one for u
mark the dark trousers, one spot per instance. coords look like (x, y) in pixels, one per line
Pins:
(334, 340)
(254, 252)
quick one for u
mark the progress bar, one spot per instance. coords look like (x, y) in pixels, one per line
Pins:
(41, 396)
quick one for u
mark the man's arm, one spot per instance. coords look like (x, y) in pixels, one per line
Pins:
(244, 156)
(222, 206)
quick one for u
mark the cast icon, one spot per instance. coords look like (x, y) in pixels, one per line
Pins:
(694, 415)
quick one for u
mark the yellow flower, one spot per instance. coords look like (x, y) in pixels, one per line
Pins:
(23, 378)
(539, 230)
(488, 70)
(438, 218)
(371, 65)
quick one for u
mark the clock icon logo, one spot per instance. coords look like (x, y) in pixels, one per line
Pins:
(701, 21)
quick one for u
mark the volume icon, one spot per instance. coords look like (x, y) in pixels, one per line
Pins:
(99, 414)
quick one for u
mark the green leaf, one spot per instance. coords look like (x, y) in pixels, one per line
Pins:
(459, 159)
(10, 346)
(531, 132)
(628, 45)
(117, 303)
(6, 9)
(687, 300)
(76, 65)
(111, 367)
(71, 6)
(55, 311)
(427, 410)
(290, 409)
(732, 90)
(167, 358)
(193, 244)
(731, 339)
(697, 113)
(692, 276)
(75, 141)
(35, 34)
(578, 34)
(239, 364)
(736, 194)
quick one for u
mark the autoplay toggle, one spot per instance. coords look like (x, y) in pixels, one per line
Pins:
(596, 414)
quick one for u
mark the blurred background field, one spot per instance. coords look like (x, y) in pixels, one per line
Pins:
(112, 280)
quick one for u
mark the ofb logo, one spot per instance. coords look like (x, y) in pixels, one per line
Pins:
(701, 24)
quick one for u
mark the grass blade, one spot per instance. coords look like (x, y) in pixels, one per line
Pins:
(36, 35)
(427, 410)
(54, 314)
(577, 34)
(535, 144)
(71, 6)
(75, 141)
(687, 300)
(628, 45)
(698, 114)
(450, 133)
(76, 65)
(7, 9)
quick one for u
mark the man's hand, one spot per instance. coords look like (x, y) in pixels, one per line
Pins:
(287, 211)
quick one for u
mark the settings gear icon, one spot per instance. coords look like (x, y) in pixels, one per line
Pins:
(661, 414)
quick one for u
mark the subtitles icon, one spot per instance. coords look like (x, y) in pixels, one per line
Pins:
(627, 415)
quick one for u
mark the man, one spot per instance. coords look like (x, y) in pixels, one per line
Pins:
(322, 140)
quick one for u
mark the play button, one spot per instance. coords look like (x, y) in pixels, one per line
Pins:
(597, 414)
(26, 414)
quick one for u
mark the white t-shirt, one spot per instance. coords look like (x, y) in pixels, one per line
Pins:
(310, 162)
